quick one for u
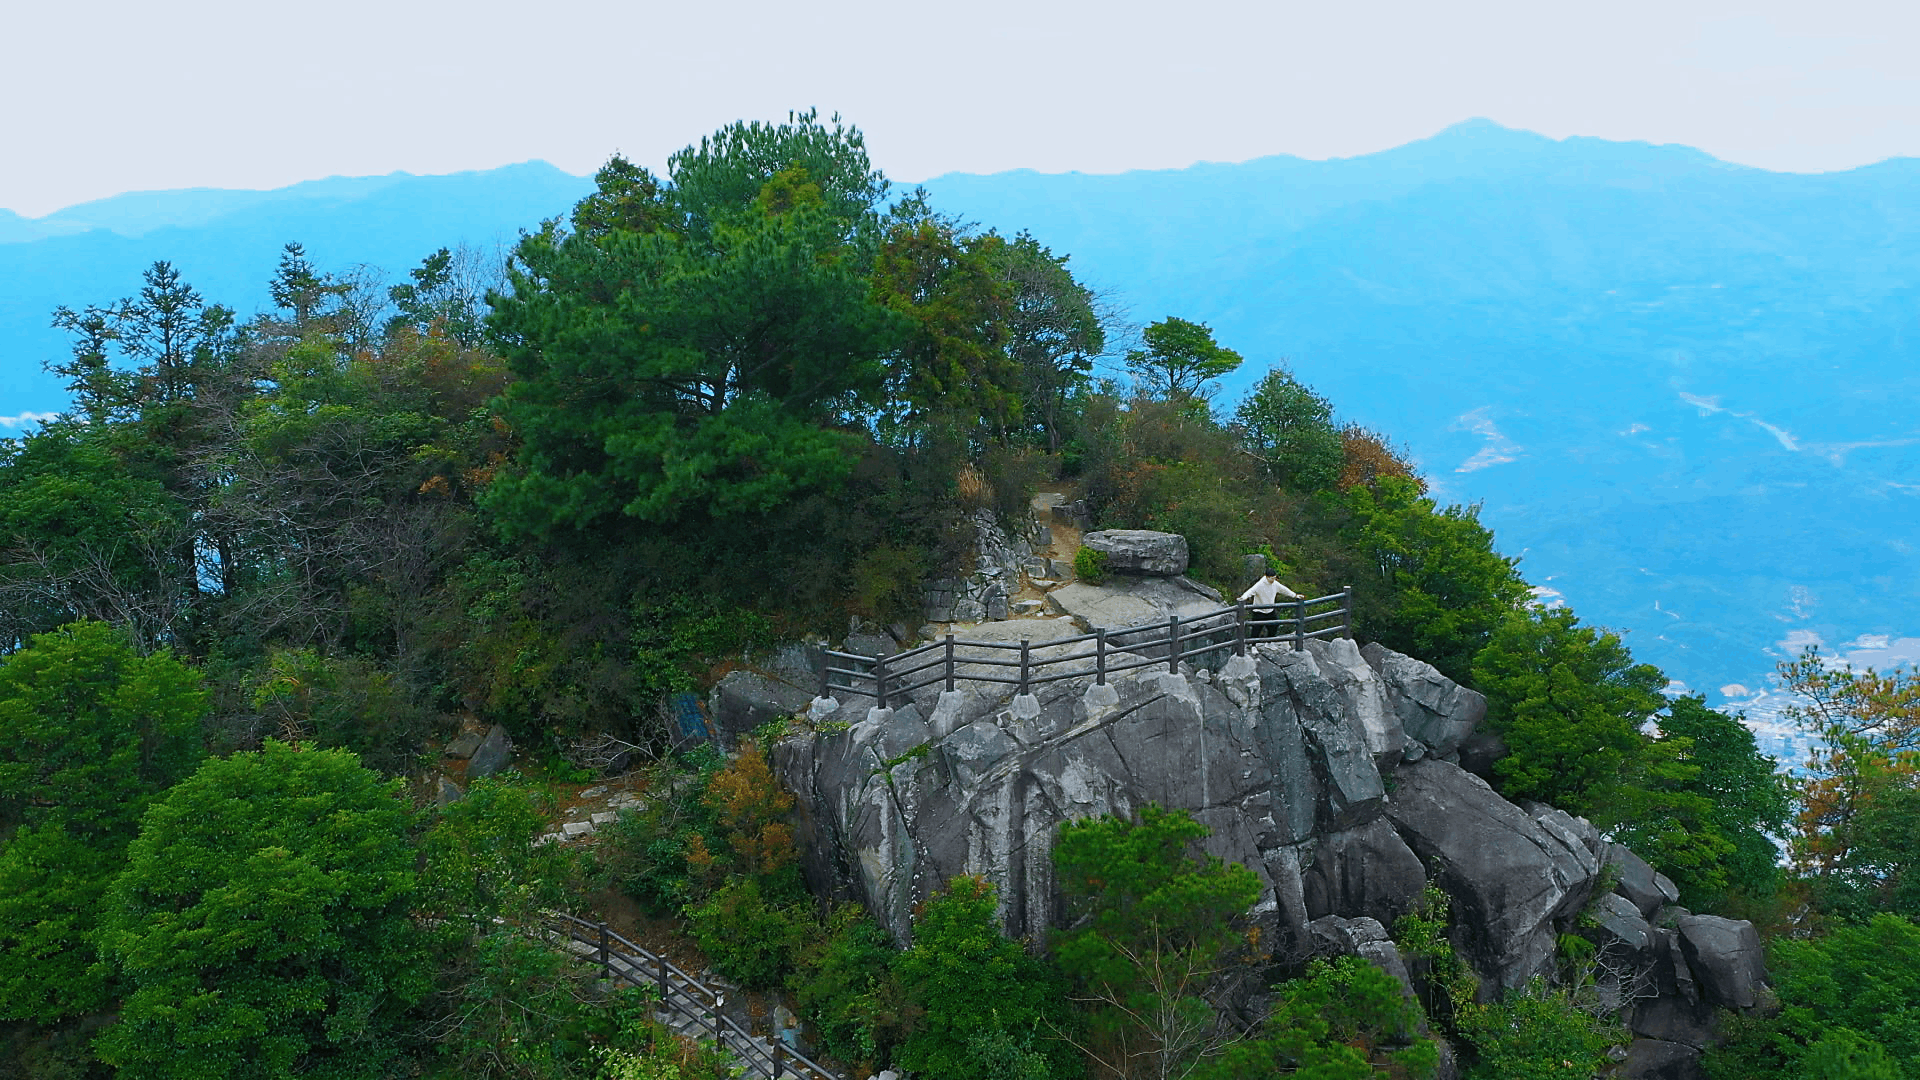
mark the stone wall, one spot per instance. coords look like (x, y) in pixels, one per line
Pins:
(999, 558)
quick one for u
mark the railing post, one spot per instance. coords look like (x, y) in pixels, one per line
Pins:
(779, 1056)
(826, 677)
(1025, 664)
(949, 662)
(660, 970)
(1346, 611)
(1240, 627)
(606, 962)
(880, 680)
(1100, 657)
(1173, 644)
(1299, 623)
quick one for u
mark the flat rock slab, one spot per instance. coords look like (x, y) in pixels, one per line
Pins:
(1122, 603)
(1140, 551)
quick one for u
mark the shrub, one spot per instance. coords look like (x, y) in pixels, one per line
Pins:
(747, 937)
(844, 987)
(1153, 922)
(750, 834)
(967, 980)
(644, 852)
(1090, 565)
(1343, 1020)
(339, 701)
(1536, 1033)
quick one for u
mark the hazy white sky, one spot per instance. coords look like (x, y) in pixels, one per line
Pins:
(104, 96)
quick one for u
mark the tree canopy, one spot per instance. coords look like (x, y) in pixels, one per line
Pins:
(1180, 360)
(263, 922)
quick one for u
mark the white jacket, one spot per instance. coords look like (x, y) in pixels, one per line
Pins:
(1265, 591)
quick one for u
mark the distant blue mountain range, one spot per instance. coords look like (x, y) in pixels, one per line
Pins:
(1684, 391)
(226, 244)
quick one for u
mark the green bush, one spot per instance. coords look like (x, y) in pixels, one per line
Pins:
(1153, 922)
(1853, 990)
(339, 701)
(1090, 565)
(644, 852)
(1536, 1033)
(747, 937)
(1343, 1020)
(967, 979)
(265, 920)
(843, 986)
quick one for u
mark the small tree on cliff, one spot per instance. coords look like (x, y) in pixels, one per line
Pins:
(968, 981)
(1180, 359)
(1150, 924)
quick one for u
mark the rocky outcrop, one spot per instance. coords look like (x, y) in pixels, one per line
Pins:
(477, 753)
(1436, 713)
(1513, 876)
(985, 593)
(1140, 551)
(744, 700)
(1326, 771)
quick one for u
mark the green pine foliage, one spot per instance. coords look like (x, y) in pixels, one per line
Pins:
(1344, 1019)
(91, 733)
(1569, 701)
(1290, 428)
(1850, 1007)
(1538, 1032)
(1427, 580)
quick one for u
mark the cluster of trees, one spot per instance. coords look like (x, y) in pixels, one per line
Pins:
(284, 911)
(708, 410)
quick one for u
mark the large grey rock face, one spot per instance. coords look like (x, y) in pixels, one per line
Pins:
(1512, 877)
(1434, 711)
(1140, 551)
(1301, 764)
(743, 700)
(1726, 958)
(1279, 753)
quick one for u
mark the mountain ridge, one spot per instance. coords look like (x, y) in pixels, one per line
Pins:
(1538, 319)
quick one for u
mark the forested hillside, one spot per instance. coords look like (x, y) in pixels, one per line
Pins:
(268, 563)
(1676, 384)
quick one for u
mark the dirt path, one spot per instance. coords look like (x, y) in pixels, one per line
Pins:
(1066, 541)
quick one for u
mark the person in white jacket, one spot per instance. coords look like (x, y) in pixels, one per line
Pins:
(1266, 593)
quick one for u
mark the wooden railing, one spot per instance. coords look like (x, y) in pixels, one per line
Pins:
(622, 959)
(1100, 654)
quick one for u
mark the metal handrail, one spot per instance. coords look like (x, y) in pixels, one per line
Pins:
(772, 1063)
(885, 679)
